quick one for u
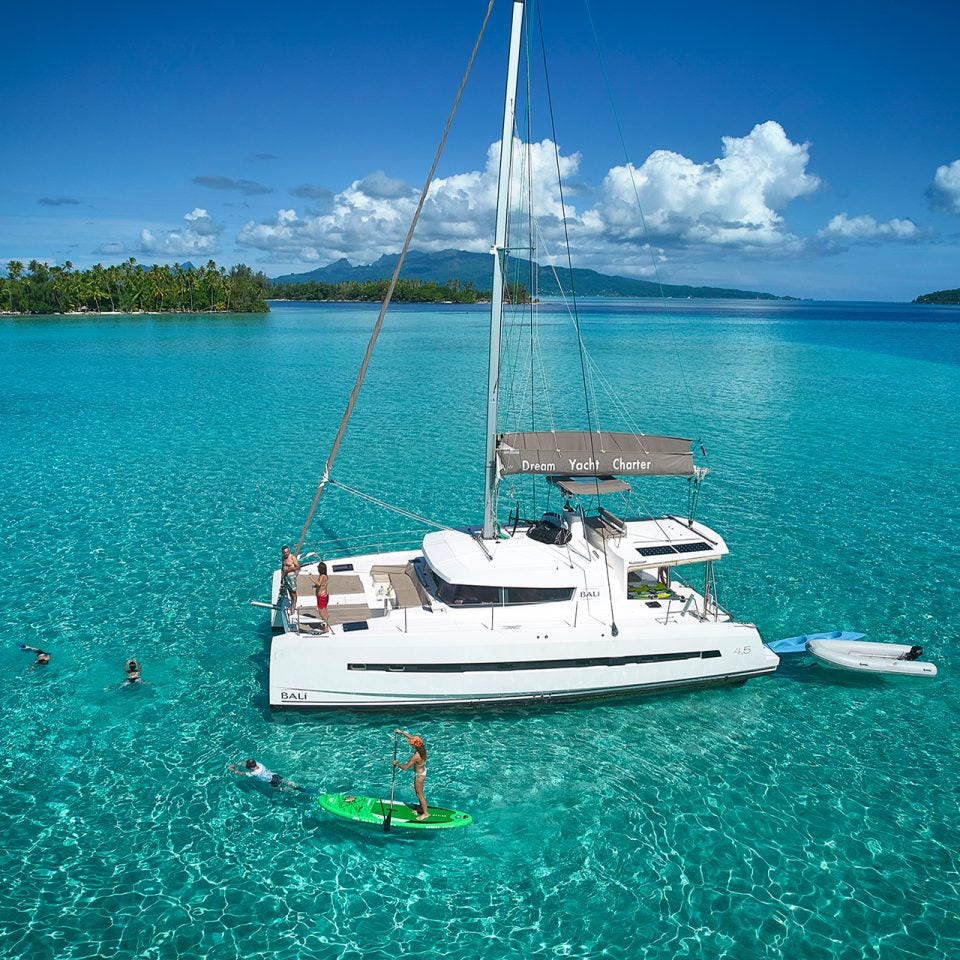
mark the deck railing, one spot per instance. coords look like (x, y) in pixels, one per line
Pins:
(712, 609)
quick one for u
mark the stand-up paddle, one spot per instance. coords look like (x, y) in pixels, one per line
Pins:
(389, 813)
(393, 784)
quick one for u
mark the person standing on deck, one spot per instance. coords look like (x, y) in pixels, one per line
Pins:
(289, 569)
(419, 762)
(322, 586)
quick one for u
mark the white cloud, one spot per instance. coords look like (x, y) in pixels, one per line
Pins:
(945, 191)
(198, 237)
(734, 201)
(371, 217)
(202, 224)
(866, 228)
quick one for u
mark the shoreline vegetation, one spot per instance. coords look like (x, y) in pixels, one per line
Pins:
(951, 297)
(373, 291)
(131, 288)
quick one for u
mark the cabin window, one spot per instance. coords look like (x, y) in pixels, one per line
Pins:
(466, 595)
(536, 594)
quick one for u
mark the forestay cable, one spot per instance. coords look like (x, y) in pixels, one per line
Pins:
(351, 403)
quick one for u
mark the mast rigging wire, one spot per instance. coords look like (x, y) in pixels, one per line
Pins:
(389, 506)
(643, 219)
(573, 299)
(351, 403)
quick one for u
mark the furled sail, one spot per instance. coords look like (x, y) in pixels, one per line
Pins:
(580, 453)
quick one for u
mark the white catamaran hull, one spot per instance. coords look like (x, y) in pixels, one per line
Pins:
(397, 639)
(478, 666)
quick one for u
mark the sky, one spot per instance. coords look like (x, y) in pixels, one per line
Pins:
(809, 151)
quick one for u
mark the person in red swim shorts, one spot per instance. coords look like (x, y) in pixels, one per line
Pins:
(321, 585)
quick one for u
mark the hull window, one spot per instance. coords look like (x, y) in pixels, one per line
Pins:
(572, 663)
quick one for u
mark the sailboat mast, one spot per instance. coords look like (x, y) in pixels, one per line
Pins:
(499, 257)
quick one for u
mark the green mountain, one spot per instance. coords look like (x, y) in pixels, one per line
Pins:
(940, 296)
(476, 269)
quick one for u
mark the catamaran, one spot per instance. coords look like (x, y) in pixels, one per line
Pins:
(577, 602)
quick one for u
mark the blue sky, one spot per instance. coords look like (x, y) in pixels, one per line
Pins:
(812, 151)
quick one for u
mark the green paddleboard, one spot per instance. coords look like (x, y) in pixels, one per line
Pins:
(374, 810)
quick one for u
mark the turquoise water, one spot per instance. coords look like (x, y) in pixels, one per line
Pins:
(150, 469)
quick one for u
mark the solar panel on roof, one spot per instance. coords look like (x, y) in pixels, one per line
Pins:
(663, 548)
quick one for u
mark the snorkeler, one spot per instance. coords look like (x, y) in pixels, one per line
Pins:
(253, 768)
(43, 658)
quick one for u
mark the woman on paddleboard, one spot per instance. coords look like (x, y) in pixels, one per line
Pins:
(419, 763)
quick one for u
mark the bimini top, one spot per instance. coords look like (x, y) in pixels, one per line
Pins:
(582, 453)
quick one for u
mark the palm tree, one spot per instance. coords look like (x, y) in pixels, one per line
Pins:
(57, 284)
(157, 277)
(14, 269)
(191, 280)
(135, 280)
(212, 280)
(39, 289)
(179, 280)
(98, 286)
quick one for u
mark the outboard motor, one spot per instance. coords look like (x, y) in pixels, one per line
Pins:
(914, 653)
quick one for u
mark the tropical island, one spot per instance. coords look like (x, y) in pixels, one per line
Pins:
(449, 276)
(475, 270)
(374, 291)
(132, 288)
(940, 296)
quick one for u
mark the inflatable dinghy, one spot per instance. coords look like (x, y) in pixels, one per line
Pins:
(860, 656)
(799, 644)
